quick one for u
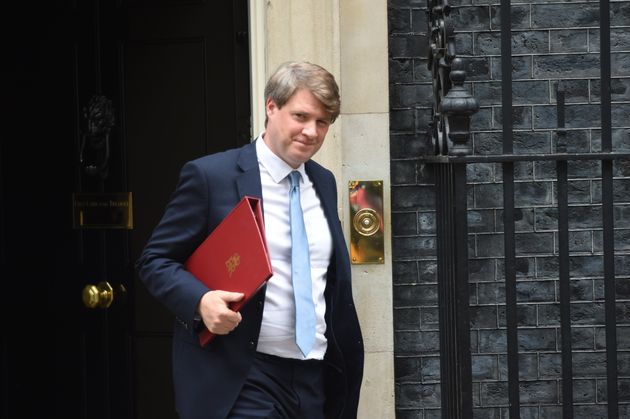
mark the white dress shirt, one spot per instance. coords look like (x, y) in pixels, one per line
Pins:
(277, 332)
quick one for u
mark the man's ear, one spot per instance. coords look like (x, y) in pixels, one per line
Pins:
(270, 106)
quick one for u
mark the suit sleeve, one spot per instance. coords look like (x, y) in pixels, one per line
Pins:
(181, 229)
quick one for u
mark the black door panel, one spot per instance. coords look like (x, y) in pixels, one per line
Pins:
(176, 75)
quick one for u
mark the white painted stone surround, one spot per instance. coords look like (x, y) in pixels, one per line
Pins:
(349, 38)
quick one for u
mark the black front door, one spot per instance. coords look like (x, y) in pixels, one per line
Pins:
(106, 101)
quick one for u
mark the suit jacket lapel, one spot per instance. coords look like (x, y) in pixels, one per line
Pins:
(248, 182)
(328, 200)
(324, 194)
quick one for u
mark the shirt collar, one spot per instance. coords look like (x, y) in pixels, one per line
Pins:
(278, 169)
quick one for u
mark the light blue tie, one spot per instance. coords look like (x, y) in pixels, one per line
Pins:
(301, 272)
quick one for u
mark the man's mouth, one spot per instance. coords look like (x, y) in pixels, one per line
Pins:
(305, 142)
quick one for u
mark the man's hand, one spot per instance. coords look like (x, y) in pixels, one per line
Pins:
(215, 313)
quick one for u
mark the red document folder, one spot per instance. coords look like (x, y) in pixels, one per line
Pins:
(234, 256)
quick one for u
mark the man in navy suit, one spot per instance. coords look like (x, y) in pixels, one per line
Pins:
(254, 368)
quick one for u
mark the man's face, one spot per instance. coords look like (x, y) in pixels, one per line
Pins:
(296, 131)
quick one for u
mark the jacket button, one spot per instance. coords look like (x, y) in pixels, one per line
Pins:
(252, 345)
(260, 305)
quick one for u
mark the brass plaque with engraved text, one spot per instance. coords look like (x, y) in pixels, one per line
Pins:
(107, 210)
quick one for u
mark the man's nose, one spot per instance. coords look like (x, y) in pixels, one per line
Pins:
(310, 129)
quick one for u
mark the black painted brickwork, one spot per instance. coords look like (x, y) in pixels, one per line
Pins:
(551, 41)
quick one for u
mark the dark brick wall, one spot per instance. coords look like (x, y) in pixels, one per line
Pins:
(551, 41)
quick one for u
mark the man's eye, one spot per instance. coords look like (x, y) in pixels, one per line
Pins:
(299, 116)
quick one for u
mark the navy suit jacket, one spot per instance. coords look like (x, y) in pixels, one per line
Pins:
(208, 380)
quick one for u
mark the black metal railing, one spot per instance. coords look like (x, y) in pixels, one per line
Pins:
(450, 133)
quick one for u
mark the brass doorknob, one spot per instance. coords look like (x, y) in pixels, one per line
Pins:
(98, 296)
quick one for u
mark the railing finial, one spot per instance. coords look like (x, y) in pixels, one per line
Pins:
(458, 105)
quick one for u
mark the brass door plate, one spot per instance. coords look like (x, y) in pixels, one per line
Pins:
(367, 224)
(102, 210)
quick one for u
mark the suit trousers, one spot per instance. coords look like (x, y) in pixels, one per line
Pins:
(281, 388)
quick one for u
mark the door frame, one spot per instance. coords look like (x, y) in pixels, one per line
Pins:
(257, 62)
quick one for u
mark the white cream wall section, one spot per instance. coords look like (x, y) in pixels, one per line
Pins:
(349, 38)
